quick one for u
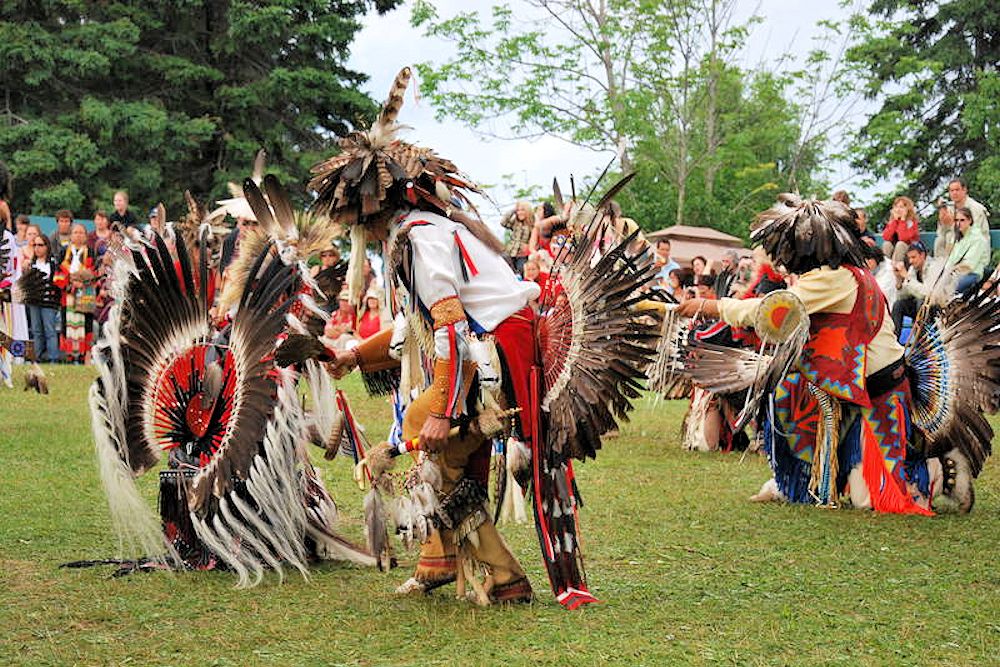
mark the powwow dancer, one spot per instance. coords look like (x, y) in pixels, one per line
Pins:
(848, 412)
(461, 315)
(239, 491)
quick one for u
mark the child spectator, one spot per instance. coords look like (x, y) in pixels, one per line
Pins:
(77, 274)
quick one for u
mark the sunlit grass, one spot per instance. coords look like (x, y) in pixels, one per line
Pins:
(688, 571)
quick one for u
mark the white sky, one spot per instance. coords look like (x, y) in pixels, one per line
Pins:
(387, 43)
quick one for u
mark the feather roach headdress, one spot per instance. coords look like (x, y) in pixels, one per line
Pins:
(805, 234)
(376, 173)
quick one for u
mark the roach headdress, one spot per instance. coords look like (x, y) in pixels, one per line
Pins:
(804, 234)
(377, 173)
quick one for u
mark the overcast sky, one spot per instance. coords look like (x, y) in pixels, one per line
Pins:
(387, 43)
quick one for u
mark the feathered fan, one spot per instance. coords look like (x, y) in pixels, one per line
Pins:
(34, 288)
(953, 360)
(594, 347)
(167, 383)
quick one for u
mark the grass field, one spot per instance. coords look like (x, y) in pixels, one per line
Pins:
(688, 572)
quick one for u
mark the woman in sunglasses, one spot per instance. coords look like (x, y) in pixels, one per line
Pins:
(970, 254)
(44, 314)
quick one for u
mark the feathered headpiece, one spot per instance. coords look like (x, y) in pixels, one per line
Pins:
(237, 205)
(375, 172)
(805, 234)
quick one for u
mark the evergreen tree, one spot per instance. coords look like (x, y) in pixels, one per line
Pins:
(161, 96)
(933, 68)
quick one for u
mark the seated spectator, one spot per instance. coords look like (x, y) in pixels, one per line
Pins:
(744, 276)
(724, 280)
(44, 321)
(374, 317)
(970, 254)
(902, 230)
(663, 259)
(699, 266)
(340, 329)
(913, 285)
(672, 284)
(706, 287)
(881, 268)
(864, 233)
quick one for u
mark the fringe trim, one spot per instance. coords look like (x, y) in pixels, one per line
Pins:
(382, 383)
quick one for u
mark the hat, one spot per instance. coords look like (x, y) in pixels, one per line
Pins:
(152, 213)
(374, 292)
(344, 295)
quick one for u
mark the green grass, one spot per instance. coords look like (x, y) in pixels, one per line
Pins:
(687, 570)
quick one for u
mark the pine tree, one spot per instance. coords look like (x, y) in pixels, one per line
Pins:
(161, 96)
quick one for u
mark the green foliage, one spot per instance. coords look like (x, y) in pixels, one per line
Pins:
(158, 97)
(653, 82)
(758, 134)
(932, 67)
(688, 572)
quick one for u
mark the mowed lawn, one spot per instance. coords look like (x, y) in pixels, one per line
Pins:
(687, 570)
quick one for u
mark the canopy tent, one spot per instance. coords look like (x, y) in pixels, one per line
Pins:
(687, 242)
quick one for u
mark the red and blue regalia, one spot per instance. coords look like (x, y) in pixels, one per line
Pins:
(848, 413)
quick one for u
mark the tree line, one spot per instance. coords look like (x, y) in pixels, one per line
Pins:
(661, 85)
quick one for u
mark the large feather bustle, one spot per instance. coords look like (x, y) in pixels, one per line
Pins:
(257, 323)
(953, 360)
(804, 234)
(594, 345)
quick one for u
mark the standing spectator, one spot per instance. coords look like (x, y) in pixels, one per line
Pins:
(7, 250)
(6, 191)
(100, 238)
(77, 274)
(28, 250)
(865, 234)
(60, 237)
(663, 259)
(519, 222)
(971, 252)
(705, 287)
(122, 217)
(328, 258)
(914, 284)
(699, 266)
(724, 281)
(44, 320)
(902, 230)
(21, 224)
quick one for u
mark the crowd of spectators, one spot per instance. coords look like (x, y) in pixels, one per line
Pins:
(72, 263)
